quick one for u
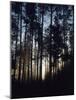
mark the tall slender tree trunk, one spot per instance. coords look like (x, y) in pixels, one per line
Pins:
(41, 51)
(63, 30)
(37, 59)
(50, 39)
(16, 48)
(31, 34)
(20, 44)
(38, 55)
(28, 61)
(24, 58)
(73, 36)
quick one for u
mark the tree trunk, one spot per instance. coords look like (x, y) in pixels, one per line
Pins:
(24, 58)
(16, 49)
(37, 60)
(50, 39)
(31, 34)
(20, 44)
(41, 51)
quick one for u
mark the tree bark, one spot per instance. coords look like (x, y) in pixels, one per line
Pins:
(41, 51)
(20, 44)
(24, 58)
(50, 39)
(16, 48)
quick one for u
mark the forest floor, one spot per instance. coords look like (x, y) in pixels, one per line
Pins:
(62, 84)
